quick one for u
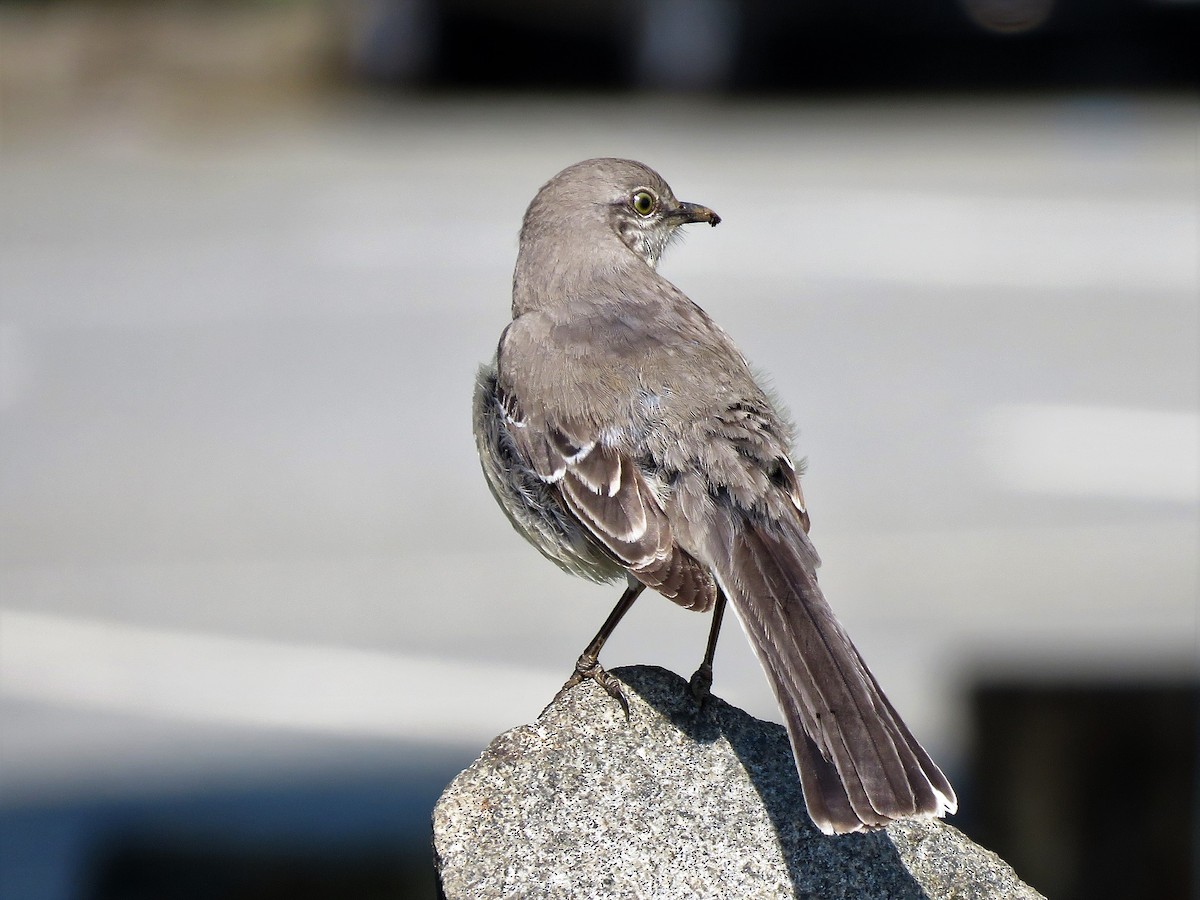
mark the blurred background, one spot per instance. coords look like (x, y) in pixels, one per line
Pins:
(253, 618)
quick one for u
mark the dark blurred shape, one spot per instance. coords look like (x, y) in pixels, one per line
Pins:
(520, 45)
(360, 835)
(773, 45)
(1008, 16)
(392, 40)
(687, 44)
(1090, 791)
(236, 873)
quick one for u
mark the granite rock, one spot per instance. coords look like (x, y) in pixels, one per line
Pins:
(680, 801)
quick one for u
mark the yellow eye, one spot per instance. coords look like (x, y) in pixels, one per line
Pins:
(643, 203)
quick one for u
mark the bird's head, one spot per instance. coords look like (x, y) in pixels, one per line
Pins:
(600, 197)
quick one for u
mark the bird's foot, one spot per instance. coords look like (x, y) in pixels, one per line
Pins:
(700, 684)
(589, 668)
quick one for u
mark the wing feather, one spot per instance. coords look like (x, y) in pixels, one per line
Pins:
(611, 497)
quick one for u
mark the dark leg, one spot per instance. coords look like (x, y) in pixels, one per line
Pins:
(588, 664)
(701, 682)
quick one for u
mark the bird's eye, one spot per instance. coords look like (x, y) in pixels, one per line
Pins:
(643, 203)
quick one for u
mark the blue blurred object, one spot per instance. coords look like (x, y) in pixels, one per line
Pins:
(363, 835)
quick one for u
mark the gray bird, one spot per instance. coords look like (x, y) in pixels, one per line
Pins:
(623, 434)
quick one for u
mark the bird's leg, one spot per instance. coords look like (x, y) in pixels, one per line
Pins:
(701, 681)
(588, 664)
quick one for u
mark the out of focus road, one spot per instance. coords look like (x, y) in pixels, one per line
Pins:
(242, 527)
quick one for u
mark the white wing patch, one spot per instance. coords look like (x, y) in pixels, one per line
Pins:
(581, 454)
(796, 496)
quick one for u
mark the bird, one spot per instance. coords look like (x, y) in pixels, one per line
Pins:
(625, 436)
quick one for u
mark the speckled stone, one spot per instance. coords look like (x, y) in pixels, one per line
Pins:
(677, 802)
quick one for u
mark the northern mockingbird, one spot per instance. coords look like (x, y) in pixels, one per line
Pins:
(624, 436)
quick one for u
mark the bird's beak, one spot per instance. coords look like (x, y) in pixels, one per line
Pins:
(685, 213)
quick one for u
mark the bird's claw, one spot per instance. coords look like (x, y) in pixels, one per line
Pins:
(700, 684)
(591, 670)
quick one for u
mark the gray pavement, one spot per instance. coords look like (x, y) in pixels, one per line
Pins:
(224, 549)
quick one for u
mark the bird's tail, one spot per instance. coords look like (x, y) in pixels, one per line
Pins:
(859, 765)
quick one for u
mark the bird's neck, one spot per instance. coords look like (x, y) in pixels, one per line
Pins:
(545, 277)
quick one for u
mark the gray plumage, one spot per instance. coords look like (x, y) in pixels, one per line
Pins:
(624, 436)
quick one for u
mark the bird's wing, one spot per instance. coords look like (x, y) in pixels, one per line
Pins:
(608, 493)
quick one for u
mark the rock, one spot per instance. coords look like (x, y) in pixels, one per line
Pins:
(676, 802)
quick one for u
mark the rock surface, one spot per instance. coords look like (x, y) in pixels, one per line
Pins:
(677, 802)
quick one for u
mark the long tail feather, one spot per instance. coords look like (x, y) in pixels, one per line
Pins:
(859, 765)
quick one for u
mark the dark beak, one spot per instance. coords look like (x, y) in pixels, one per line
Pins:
(686, 213)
